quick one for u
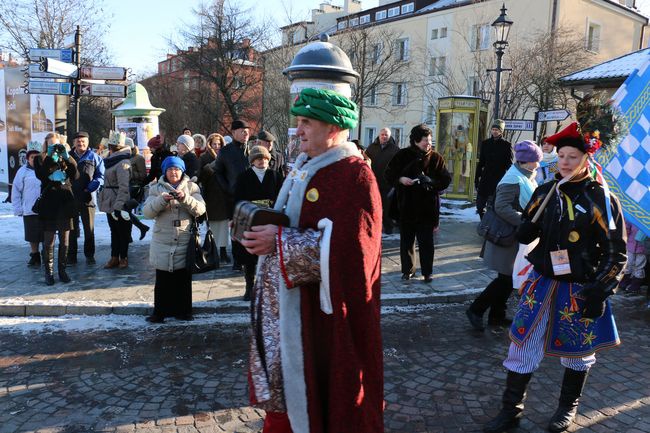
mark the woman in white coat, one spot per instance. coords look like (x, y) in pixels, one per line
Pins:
(25, 191)
(172, 202)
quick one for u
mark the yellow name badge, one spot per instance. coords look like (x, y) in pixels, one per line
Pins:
(312, 195)
(560, 262)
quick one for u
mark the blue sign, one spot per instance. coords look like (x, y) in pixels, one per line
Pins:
(64, 54)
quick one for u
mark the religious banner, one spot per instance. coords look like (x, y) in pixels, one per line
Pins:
(627, 166)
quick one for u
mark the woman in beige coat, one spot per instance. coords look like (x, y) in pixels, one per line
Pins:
(173, 201)
(113, 197)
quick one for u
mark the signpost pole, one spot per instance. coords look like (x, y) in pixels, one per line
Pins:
(77, 81)
(535, 126)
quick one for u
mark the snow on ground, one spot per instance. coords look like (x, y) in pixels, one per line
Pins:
(112, 322)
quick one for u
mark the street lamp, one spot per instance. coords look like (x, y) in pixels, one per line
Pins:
(502, 31)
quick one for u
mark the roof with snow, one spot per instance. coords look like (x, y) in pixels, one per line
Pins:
(610, 73)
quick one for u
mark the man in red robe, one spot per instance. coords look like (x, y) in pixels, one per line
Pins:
(316, 353)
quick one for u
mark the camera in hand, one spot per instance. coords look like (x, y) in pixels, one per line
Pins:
(425, 182)
(59, 148)
(174, 194)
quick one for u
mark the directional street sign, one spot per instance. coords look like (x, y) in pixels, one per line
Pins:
(520, 125)
(112, 90)
(547, 116)
(64, 55)
(60, 68)
(49, 88)
(35, 72)
(103, 73)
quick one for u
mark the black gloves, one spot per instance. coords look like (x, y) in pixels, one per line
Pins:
(594, 296)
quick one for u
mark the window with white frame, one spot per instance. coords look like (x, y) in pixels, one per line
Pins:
(443, 32)
(473, 86)
(434, 34)
(399, 94)
(342, 25)
(403, 49)
(354, 21)
(380, 15)
(437, 66)
(593, 38)
(430, 118)
(369, 135)
(397, 132)
(375, 53)
(365, 19)
(372, 98)
(480, 37)
(407, 8)
(393, 12)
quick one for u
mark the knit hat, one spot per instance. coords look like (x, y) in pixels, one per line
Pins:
(326, 106)
(499, 124)
(129, 142)
(569, 136)
(187, 141)
(258, 152)
(34, 147)
(117, 139)
(528, 151)
(266, 136)
(173, 161)
(155, 142)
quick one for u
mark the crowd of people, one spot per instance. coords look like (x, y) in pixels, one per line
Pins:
(314, 286)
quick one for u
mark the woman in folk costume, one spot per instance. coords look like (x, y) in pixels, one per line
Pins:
(578, 264)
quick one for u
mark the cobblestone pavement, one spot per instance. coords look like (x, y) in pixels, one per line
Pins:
(440, 377)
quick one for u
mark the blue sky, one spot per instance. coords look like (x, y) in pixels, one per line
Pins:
(141, 28)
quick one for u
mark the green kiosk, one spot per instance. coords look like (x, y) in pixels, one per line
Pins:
(462, 122)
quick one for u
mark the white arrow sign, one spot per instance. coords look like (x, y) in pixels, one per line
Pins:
(519, 125)
(54, 66)
(112, 90)
(547, 116)
(49, 88)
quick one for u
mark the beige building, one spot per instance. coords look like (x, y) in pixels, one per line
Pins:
(444, 47)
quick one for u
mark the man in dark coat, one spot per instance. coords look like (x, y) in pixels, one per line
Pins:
(91, 177)
(380, 152)
(495, 159)
(232, 161)
(277, 162)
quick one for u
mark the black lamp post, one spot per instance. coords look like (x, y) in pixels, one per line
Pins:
(502, 30)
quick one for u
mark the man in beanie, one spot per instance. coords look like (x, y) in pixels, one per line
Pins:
(159, 151)
(231, 163)
(495, 158)
(277, 162)
(316, 350)
(91, 177)
(512, 195)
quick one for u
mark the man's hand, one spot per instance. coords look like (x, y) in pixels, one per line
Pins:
(260, 240)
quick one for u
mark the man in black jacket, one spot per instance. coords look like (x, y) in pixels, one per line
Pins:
(380, 152)
(230, 163)
(495, 159)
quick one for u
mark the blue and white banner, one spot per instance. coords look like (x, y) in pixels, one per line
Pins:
(626, 167)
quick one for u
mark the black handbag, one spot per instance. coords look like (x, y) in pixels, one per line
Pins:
(204, 257)
(36, 208)
(495, 229)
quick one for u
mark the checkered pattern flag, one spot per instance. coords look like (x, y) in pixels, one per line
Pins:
(626, 166)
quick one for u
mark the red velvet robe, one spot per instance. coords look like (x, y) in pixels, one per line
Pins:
(343, 351)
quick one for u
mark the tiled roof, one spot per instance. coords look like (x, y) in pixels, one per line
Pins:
(616, 69)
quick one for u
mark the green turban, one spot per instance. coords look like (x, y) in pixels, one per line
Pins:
(327, 106)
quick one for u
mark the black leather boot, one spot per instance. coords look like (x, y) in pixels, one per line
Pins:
(513, 403)
(63, 260)
(48, 265)
(223, 255)
(249, 276)
(572, 386)
(34, 260)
